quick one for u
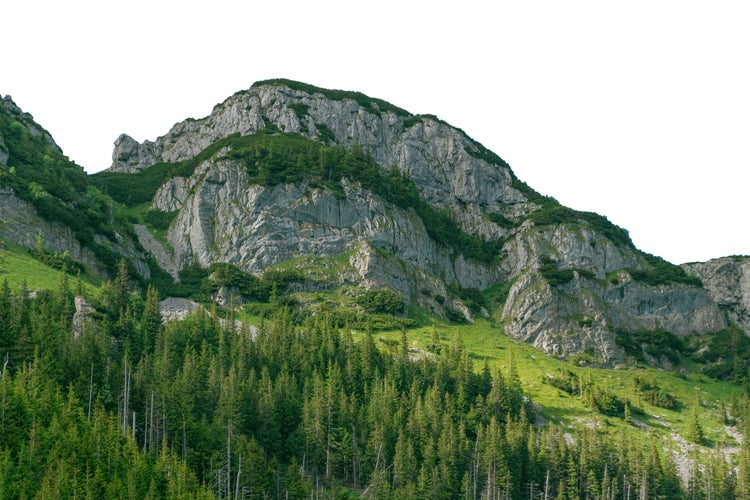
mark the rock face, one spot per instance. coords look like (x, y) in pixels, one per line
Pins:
(223, 216)
(130, 156)
(81, 316)
(163, 258)
(21, 224)
(3, 152)
(728, 282)
(20, 220)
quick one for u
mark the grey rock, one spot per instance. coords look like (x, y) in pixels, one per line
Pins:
(727, 279)
(434, 154)
(222, 217)
(172, 194)
(131, 157)
(20, 224)
(565, 319)
(176, 308)
(81, 316)
(4, 152)
(161, 255)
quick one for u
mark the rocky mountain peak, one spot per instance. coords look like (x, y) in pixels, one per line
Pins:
(574, 281)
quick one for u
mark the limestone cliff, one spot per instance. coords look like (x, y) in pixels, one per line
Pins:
(573, 278)
(727, 280)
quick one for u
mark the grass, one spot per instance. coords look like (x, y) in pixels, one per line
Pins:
(486, 342)
(18, 267)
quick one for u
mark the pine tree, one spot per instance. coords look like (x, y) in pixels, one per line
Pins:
(121, 288)
(8, 334)
(695, 429)
(150, 323)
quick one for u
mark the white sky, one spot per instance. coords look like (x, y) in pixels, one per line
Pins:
(637, 110)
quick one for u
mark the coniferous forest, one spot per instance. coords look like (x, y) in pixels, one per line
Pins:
(130, 407)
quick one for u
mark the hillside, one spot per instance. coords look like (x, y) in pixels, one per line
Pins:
(378, 308)
(48, 204)
(285, 170)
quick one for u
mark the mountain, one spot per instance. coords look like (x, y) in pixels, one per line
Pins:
(48, 204)
(328, 213)
(285, 174)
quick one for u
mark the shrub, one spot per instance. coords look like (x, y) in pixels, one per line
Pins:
(380, 302)
(159, 220)
(325, 135)
(300, 109)
(567, 381)
(553, 275)
(655, 395)
(61, 261)
(281, 278)
(374, 106)
(655, 343)
(454, 316)
(660, 272)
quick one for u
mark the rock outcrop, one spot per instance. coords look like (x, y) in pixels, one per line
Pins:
(727, 280)
(223, 216)
(81, 316)
(130, 156)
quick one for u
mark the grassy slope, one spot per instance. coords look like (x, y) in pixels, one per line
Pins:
(18, 266)
(487, 342)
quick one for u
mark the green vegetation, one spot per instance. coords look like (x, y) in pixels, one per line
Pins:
(552, 213)
(556, 276)
(198, 408)
(246, 285)
(300, 109)
(380, 301)
(500, 220)
(139, 188)
(159, 220)
(330, 394)
(593, 396)
(308, 406)
(723, 354)
(60, 261)
(471, 297)
(57, 188)
(23, 270)
(650, 391)
(661, 272)
(325, 134)
(273, 159)
(655, 343)
(656, 270)
(374, 106)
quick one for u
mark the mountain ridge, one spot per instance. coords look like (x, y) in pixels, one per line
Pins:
(574, 278)
(285, 169)
(356, 274)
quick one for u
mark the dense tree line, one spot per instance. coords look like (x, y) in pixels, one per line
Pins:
(295, 408)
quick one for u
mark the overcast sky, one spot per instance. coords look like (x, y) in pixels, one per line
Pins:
(637, 110)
